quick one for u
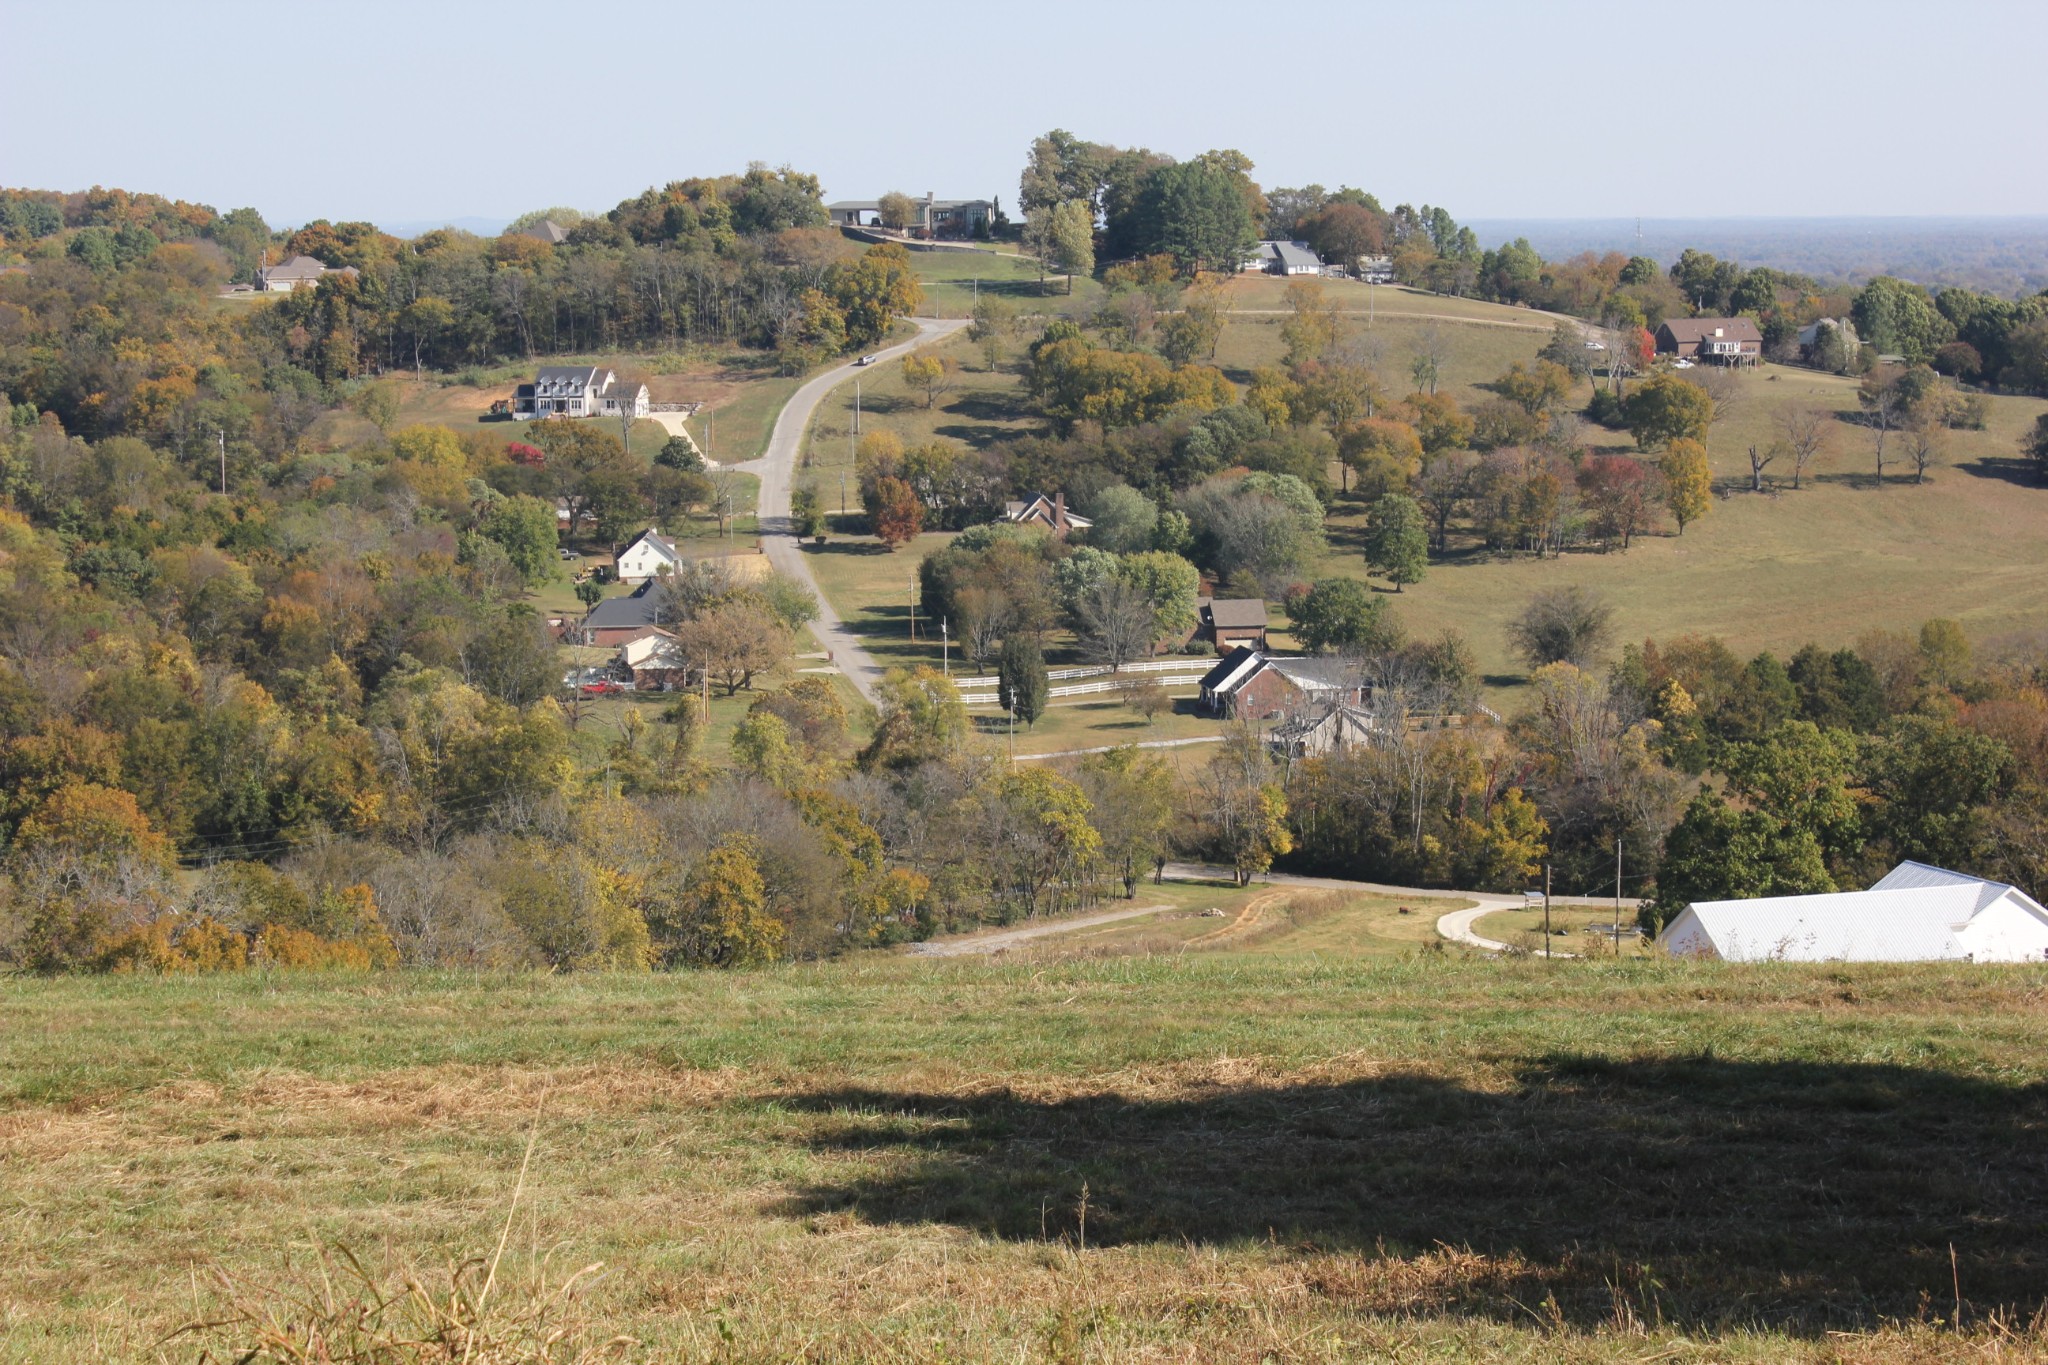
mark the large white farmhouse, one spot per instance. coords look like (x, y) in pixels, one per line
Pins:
(578, 391)
(1917, 913)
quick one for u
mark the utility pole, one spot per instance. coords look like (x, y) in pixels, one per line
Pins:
(1617, 895)
(223, 462)
(1546, 910)
(856, 405)
(946, 652)
(842, 492)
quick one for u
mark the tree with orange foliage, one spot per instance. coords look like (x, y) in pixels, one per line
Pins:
(89, 822)
(898, 515)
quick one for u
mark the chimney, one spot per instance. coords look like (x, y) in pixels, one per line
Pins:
(1059, 511)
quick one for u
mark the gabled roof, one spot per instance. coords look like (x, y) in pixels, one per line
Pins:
(1910, 876)
(1292, 254)
(553, 379)
(647, 646)
(1039, 507)
(1313, 675)
(1237, 613)
(635, 609)
(655, 538)
(1917, 912)
(297, 268)
(1232, 669)
(1702, 329)
(547, 230)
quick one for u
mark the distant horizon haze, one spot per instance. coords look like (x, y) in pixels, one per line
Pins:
(384, 111)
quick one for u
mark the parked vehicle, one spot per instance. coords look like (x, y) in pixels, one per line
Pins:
(865, 360)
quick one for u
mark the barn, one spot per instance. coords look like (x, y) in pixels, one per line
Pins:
(1917, 913)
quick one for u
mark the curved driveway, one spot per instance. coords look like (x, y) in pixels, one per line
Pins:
(776, 470)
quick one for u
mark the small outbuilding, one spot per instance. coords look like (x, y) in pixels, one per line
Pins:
(1228, 622)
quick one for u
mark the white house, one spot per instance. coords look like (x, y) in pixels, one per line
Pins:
(1282, 258)
(647, 556)
(1917, 913)
(578, 391)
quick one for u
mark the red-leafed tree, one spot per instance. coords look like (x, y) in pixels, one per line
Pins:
(1622, 494)
(898, 515)
(518, 452)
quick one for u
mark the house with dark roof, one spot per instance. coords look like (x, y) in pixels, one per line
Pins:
(1725, 341)
(1052, 513)
(1250, 683)
(619, 619)
(299, 271)
(1231, 621)
(578, 391)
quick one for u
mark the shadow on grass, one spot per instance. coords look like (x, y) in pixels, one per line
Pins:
(974, 436)
(2012, 469)
(846, 547)
(1805, 1196)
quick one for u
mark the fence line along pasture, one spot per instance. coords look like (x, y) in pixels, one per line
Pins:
(1079, 689)
(1198, 667)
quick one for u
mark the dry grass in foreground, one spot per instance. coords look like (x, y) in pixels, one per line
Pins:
(1203, 1157)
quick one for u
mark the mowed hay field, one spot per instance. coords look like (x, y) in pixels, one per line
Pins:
(1825, 563)
(1188, 1157)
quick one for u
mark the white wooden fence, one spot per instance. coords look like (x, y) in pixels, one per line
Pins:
(1184, 679)
(1198, 666)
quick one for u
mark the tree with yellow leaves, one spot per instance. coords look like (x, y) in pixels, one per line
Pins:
(1688, 481)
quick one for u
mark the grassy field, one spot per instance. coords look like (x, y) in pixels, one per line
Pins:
(1570, 925)
(1264, 921)
(1825, 563)
(983, 406)
(954, 279)
(1205, 1156)
(1838, 557)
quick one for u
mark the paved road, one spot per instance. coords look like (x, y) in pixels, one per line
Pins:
(778, 539)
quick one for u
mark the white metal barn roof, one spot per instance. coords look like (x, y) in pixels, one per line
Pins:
(1916, 914)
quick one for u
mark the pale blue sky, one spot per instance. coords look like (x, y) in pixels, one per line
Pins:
(433, 110)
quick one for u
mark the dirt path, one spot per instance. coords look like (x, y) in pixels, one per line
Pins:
(982, 945)
(1247, 920)
(776, 470)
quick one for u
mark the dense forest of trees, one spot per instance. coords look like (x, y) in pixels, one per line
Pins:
(112, 322)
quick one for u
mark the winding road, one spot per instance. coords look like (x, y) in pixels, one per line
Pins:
(777, 469)
(1455, 926)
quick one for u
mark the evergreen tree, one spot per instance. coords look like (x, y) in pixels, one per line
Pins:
(1022, 682)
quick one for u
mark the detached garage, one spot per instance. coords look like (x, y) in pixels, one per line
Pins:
(1917, 913)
